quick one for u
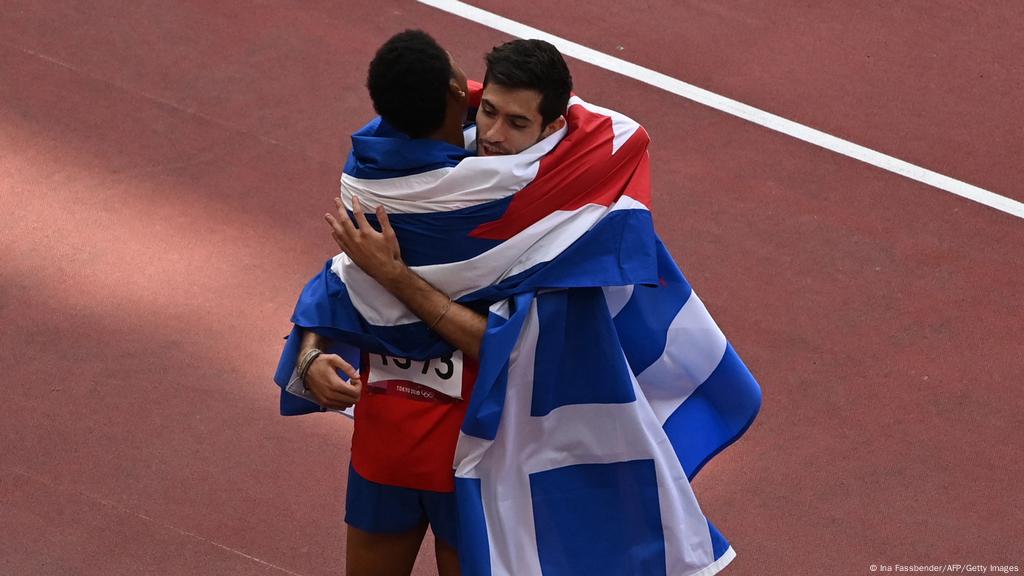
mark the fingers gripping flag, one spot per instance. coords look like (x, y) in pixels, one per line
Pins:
(604, 385)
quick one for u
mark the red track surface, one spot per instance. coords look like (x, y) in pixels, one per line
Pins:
(162, 174)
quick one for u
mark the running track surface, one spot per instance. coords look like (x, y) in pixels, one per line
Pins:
(164, 167)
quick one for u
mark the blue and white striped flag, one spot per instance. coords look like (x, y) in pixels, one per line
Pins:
(604, 385)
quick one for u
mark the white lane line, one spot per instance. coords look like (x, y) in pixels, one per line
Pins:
(733, 107)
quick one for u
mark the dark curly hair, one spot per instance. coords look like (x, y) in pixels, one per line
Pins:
(408, 82)
(532, 65)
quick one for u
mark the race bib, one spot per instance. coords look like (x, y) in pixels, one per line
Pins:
(436, 379)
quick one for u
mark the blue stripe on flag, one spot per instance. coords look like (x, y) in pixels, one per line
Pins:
(717, 413)
(579, 358)
(643, 322)
(584, 526)
(420, 235)
(379, 151)
(474, 547)
(324, 301)
(620, 249)
(488, 399)
(591, 260)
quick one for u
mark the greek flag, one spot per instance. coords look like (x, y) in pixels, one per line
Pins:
(604, 385)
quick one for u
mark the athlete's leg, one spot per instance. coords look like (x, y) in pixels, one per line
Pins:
(443, 513)
(382, 554)
(447, 558)
(385, 528)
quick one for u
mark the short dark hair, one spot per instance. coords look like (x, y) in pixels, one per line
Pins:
(408, 82)
(533, 65)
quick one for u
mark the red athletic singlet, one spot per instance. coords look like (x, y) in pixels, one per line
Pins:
(408, 418)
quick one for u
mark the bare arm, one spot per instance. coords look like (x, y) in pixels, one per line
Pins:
(379, 255)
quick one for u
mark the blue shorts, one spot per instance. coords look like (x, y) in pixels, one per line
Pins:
(374, 507)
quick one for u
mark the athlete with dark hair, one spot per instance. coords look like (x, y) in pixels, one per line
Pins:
(526, 91)
(401, 479)
(417, 88)
(396, 491)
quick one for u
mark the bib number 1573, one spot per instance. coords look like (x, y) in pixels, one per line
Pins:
(443, 374)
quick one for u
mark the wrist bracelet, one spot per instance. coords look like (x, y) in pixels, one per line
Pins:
(444, 311)
(306, 362)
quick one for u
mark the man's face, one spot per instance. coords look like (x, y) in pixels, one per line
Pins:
(509, 121)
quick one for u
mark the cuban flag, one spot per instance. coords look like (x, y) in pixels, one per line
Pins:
(604, 385)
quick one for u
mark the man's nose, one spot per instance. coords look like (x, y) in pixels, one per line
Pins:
(496, 133)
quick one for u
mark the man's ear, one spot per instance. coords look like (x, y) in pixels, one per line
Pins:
(553, 127)
(456, 91)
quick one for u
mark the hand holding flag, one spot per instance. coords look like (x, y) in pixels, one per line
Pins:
(377, 253)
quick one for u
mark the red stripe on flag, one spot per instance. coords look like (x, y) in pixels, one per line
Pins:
(476, 93)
